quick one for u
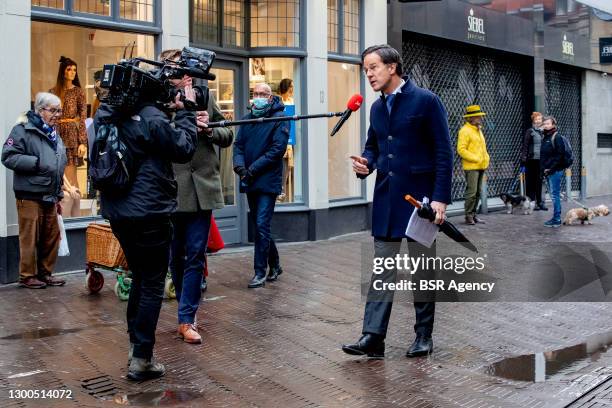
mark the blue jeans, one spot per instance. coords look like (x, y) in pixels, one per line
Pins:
(188, 257)
(261, 206)
(554, 184)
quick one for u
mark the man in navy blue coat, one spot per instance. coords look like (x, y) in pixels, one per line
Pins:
(258, 161)
(409, 145)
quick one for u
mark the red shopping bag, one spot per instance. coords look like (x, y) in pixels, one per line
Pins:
(215, 241)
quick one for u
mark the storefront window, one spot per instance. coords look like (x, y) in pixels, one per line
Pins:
(343, 27)
(141, 10)
(351, 27)
(90, 48)
(343, 81)
(99, 7)
(282, 74)
(205, 26)
(275, 23)
(56, 4)
(233, 22)
(332, 26)
(222, 89)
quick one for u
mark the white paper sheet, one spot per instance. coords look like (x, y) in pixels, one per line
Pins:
(420, 229)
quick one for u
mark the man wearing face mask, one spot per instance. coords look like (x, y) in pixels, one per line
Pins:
(258, 161)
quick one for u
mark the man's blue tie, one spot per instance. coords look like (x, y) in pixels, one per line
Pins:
(389, 101)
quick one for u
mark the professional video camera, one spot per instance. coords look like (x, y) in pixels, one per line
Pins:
(129, 85)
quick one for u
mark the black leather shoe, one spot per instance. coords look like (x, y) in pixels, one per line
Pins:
(274, 273)
(204, 286)
(543, 207)
(422, 346)
(370, 344)
(257, 282)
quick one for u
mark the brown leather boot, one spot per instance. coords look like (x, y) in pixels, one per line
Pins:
(469, 220)
(189, 333)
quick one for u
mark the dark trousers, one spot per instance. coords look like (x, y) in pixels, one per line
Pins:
(146, 243)
(473, 187)
(188, 258)
(533, 181)
(261, 208)
(39, 238)
(379, 304)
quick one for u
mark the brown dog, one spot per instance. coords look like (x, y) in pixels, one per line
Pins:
(585, 214)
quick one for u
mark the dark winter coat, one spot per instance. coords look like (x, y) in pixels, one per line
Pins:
(552, 154)
(155, 145)
(411, 151)
(260, 149)
(37, 163)
(199, 181)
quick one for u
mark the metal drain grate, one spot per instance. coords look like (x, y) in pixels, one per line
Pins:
(100, 387)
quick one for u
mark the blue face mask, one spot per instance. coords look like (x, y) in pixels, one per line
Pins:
(260, 106)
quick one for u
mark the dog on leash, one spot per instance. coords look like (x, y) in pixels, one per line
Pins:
(585, 214)
(513, 201)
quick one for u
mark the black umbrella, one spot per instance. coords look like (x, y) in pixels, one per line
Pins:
(425, 211)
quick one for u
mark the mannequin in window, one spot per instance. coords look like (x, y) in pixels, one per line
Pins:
(71, 125)
(286, 93)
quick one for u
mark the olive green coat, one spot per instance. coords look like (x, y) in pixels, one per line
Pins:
(199, 181)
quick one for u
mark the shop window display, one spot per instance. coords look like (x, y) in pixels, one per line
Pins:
(282, 74)
(84, 52)
(343, 81)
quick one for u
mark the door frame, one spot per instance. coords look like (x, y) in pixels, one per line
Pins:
(235, 232)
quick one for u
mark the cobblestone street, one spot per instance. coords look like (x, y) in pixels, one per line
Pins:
(280, 346)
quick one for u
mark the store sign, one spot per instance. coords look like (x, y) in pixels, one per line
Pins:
(568, 49)
(605, 50)
(475, 27)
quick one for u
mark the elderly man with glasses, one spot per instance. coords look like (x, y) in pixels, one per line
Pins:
(258, 161)
(37, 156)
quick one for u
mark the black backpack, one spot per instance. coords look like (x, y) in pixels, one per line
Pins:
(568, 157)
(112, 168)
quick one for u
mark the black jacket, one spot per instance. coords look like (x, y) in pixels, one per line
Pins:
(260, 149)
(155, 144)
(37, 163)
(551, 157)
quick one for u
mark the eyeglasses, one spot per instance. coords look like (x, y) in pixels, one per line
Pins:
(261, 95)
(53, 111)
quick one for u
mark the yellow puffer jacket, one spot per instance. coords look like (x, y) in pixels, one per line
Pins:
(472, 148)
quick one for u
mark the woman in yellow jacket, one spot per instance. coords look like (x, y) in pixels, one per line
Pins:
(472, 148)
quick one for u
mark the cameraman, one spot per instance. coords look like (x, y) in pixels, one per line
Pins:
(199, 193)
(140, 218)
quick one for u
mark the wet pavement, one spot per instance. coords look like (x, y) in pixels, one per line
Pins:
(279, 346)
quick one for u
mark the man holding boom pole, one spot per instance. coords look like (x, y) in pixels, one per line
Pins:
(409, 145)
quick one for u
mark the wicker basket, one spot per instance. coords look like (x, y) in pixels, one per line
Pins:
(103, 248)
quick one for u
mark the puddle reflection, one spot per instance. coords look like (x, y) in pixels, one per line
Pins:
(539, 367)
(156, 398)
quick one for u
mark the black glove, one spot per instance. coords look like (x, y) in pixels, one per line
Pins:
(240, 171)
(248, 177)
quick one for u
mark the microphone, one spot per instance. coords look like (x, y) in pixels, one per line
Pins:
(353, 104)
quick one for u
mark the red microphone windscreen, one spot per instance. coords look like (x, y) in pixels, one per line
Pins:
(355, 102)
